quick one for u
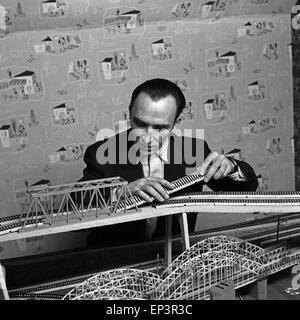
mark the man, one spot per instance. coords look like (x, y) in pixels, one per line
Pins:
(149, 156)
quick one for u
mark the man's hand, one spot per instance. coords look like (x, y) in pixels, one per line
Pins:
(150, 189)
(216, 166)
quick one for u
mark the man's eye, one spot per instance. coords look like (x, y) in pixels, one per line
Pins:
(140, 124)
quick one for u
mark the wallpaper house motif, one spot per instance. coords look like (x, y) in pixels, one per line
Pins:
(67, 69)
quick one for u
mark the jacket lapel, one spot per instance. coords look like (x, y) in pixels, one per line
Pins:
(130, 170)
(175, 167)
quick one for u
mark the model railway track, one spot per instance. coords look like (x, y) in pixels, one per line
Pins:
(238, 279)
(15, 218)
(242, 195)
(179, 184)
(275, 204)
(46, 291)
(16, 226)
(264, 232)
(203, 195)
(16, 222)
(267, 230)
(34, 296)
(276, 201)
(209, 198)
(231, 202)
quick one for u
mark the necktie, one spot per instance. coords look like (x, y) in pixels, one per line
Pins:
(155, 169)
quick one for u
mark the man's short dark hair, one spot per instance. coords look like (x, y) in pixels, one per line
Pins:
(158, 89)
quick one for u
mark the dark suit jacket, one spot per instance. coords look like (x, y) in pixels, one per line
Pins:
(181, 153)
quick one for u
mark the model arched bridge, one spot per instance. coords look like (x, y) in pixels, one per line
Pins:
(192, 274)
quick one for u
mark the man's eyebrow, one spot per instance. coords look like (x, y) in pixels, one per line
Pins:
(162, 126)
(142, 123)
(139, 121)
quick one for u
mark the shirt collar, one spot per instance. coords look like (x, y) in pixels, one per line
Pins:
(162, 153)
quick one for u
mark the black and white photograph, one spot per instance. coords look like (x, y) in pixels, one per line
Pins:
(149, 152)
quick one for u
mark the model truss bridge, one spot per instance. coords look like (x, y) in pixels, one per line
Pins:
(78, 200)
(192, 275)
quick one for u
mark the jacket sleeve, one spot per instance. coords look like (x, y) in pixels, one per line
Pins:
(228, 184)
(93, 170)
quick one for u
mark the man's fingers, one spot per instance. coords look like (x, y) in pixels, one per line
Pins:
(220, 168)
(224, 169)
(227, 171)
(152, 187)
(166, 184)
(207, 162)
(149, 189)
(144, 196)
(210, 173)
(220, 173)
(213, 169)
(215, 166)
(160, 189)
(163, 182)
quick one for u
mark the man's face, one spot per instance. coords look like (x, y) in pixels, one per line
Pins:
(152, 121)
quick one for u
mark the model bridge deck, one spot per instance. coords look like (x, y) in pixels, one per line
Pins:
(91, 204)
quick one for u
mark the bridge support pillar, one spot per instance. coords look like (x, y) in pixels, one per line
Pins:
(168, 236)
(184, 228)
(3, 289)
(262, 289)
(168, 240)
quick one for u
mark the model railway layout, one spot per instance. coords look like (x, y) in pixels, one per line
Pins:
(91, 204)
(57, 289)
(192, 274)
(53, 290)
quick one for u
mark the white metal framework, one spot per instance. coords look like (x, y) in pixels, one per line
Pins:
(76, 201)
(117, 284)
(192, 274)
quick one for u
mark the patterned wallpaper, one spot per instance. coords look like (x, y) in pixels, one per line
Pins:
(67, 74)
(296, 83)
(24, 15)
